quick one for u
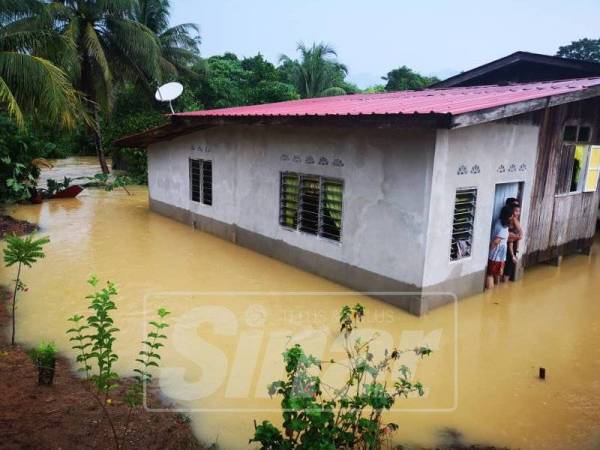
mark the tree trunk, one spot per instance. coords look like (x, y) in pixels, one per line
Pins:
(14, 304)
(98, 144)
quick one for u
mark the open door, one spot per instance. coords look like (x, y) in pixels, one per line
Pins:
(503, 192)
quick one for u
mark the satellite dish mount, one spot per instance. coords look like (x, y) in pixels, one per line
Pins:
(169, 92)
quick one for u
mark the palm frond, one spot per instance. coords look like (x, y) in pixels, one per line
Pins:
(40, 87)
(317, 72)
(135, 45)
(153, 13)
(95, 50)
(17, 9)
(116, 8)
(8, 100)
(185, 35)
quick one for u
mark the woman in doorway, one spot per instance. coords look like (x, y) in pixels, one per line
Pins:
(498, 248)
(515, 234)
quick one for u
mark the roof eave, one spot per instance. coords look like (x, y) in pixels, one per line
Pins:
(514, 109)
(182, 125)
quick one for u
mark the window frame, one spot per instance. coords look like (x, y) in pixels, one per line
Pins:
(578, 128)
(204, 198)
(298, 225)
(582, 170)
(463, 190)
(591, 149)
(572, 145)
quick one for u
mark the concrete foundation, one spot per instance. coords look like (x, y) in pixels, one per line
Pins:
(361, 280)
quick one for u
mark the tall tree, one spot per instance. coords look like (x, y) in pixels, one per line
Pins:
(583, 49)
(30, 83)
(179, 44)
(317, 73)
(404, 78)
(108, 47)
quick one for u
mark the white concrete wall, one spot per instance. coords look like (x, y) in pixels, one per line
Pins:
(487, 146)
(387, 180)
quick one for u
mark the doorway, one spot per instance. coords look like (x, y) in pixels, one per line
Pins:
(503, 192)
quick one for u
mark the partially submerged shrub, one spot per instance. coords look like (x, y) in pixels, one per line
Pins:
(93, 338)
(349, 417)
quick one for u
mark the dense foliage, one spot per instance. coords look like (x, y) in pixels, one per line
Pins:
(230, 81)
(583, 49)
(404, 78)
(31, 84)
(20, 146)
(134, 111)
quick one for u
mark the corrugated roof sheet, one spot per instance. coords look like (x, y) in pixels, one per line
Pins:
(429, 101)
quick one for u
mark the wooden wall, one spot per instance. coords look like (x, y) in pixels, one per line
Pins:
(560, 224)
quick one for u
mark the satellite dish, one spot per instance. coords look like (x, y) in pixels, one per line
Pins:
(169, 92)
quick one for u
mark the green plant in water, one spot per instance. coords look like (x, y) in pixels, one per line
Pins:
(317, 416)
(93, 338)
(110, 184)
(57, 186)
(20, 182)
(22, 252)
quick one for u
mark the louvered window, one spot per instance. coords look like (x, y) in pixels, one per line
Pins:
(462, 226)
(311, 204)
(201, 181)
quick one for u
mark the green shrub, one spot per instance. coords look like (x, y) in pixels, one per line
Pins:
(93, 338)
(44, 357)
(44, 354)
(348, 417)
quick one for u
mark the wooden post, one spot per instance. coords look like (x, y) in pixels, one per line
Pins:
(555, 261)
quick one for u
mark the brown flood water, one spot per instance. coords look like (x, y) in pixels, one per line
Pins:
(234, 310)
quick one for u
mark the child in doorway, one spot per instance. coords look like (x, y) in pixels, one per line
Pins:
(515, 234)
(498, 248)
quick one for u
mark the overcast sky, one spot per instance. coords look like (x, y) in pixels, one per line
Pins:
(440, 37)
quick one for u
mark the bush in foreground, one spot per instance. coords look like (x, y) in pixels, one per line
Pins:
(316, 416)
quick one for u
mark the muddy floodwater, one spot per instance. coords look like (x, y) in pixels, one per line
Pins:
(234, 311)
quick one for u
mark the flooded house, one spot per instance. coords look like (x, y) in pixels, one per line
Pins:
(391, 192)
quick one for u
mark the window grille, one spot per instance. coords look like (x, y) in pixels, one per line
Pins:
(201, 181)
(463, 222)
(311, 204)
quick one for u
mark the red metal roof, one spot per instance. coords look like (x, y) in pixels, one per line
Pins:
(437, 101)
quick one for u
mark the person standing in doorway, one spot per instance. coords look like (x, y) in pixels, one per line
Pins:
(498, 248)
(515, 234)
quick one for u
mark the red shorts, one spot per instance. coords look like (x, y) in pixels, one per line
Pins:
(495, 268)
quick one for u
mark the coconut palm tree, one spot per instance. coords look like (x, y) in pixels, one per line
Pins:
(109, 46)
(179, 44)
(317, 73)
(30, 83)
